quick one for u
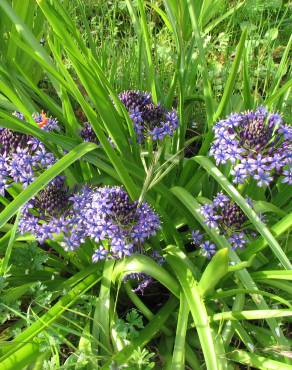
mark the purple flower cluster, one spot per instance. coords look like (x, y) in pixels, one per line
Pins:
(224, 215)
(48, 213)
(23, 156)
(105, 215)
(88, 134)
(44, 122)
(257, 144)
(150, 120)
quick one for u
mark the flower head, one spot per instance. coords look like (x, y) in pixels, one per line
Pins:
(48, 212)
(45, 122)
(149, 119)
(257, 144)
(227, 214)
(105, 215)
(23, 156)
(237, 240)
(224, 215)
(87, 133)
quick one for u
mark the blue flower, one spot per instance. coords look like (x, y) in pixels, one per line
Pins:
(197, 237)
(100, 214)
(3, 185)
(150, 120)
(237, 240)
(42, 158)
(22, 157)
(220, 200)
(287, 176)
(207, 209)
(239, 174)
(100, 254)
(263, 178)
(208, 249)
(257, 144)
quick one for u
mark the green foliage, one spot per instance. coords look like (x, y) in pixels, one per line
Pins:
(206, 59)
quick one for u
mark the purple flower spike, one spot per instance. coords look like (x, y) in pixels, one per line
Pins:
(87, 133)
(150, 120)
(257, 144)
(22, 157)
(104, 214)
(224, 215)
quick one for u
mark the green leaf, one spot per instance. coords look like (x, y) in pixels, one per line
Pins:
(11, 355)
(101, 318)
(216, 269)
(256, 361)
(251, 315)
(278, 229)
(208, 93)
(4, 266)
(197, 308)
(231, 78)
(178, 356)
(140, 263)
(281, 275)
(146, 36)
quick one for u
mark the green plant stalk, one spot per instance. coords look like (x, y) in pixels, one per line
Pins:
(251, 315)
(197, 308)
(178, 356)
(234, 292)
(101, 318)
(279, 93)
(280, 275)
(231, 78)
(145, 33)
(208, 94)
(258, 362)
(8, 251)
(279, 284)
